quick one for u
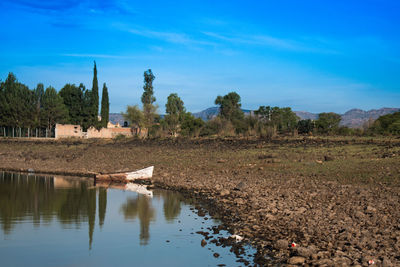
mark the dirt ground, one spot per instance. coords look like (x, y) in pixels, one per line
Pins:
(337, 199)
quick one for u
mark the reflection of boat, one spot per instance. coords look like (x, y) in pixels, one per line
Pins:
(138, 188)
(145, 173)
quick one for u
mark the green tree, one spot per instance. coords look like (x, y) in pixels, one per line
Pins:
(17, 103)
(148, 98)
(387, 124)
(73, 99)
(229, 106)
(86, 109)
(135, 118)
(54, 111)
(95, 97)
(305, 126)
(105, 105)
(264, 113)
(38, 105)
(175, 112)
(327, 122)
(191, 126)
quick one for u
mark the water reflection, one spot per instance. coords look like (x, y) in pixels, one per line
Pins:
(73, 201)
(140, 207)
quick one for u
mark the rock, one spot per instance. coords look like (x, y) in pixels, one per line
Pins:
(221, 161)
(370, 209)
(319, 161)
(301, 210)
(282, 244)
(203, 243)
(324, 262)
(224, 192)
(216, 255)
(239, 201)
(304, 252)
(296, 260)
(240, 186)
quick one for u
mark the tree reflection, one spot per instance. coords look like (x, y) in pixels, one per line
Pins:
(43, 198)
(102, 205)
(140, 207)
(172, 205)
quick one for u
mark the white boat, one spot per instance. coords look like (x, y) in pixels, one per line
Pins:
(142, 174)
(145, 173)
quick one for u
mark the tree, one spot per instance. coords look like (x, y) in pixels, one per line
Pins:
(229, 106)
(387, 124)
(305, 126)
(38, 105)
(191, 126)
(327, 122)
(95, 98)
(17, 103)
(135, 117)
(175, 111)
(149, 110)
(105, 105)
(86, 109)
(276, 119)
(73, 99)
(54, 111)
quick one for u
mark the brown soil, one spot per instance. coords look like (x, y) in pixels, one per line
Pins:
(337, 199)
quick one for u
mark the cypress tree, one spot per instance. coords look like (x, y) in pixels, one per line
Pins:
(105, 106)
(95, 97)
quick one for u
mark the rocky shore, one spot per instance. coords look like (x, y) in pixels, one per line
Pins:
(302, 201)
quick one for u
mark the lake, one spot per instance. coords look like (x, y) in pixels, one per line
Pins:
(60, 221)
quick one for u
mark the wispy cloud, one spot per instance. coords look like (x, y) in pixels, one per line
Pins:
(171, 37)
(97, 56)
(268, 41)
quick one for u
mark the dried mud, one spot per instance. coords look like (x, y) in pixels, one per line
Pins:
(304, 201)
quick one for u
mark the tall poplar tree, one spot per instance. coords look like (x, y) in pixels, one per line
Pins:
(105, 107)
(148, 99)
(95, 97)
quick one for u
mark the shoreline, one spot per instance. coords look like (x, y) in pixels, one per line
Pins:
(273, 193)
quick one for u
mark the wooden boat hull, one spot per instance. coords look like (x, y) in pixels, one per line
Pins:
(142, 174)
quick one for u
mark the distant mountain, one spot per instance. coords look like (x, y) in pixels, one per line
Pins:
(116, 118)
(210, 113)
(354, 118)
(207, 114)
(304, 115)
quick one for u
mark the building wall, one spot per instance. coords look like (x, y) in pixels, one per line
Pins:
(68, 131)
(108, 132)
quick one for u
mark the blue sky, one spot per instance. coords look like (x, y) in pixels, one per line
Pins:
(310, 55)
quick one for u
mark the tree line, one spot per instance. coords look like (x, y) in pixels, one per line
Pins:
(23, 107)
(266, 121)
(43, 108)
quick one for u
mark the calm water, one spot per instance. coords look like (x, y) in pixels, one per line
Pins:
(58, 221)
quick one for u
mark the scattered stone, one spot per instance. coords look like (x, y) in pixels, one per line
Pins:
(216, 255)
(296, 260)
(224, 192)
(203, 243)
(282, 244)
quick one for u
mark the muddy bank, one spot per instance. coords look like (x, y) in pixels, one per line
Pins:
(337, 200)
